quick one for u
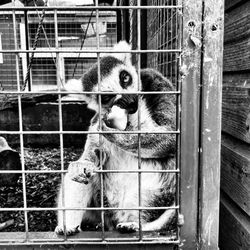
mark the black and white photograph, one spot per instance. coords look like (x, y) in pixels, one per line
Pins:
(125, 124)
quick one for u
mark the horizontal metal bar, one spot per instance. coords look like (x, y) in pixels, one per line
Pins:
(91, 242)
(134, 240)
(5, 209)
(108, 239)
(86, 132)
(55, 92)
(95, 171)
(89, 7)
(91, 51)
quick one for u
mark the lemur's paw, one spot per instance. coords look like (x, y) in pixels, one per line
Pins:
(81, 171)
(69, 231)
(127, 227)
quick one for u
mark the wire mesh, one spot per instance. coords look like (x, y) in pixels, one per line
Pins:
(55, 58)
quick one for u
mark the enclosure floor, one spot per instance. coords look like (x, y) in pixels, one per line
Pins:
(82, 237)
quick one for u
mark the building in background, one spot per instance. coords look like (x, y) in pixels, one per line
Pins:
(75, 30)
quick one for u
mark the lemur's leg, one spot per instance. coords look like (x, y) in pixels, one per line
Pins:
(76, 195)
(128, 220)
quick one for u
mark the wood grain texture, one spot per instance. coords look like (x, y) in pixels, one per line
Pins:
(229, 4)
(190, 115)
(234, 227)
(235, 171)
(237, 38)
(236, 79)
(211, 124)
(237, 56)
(236, 111)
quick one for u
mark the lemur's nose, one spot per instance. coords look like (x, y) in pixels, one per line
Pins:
(128, 102)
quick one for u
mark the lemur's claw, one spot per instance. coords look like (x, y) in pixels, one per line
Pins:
(69, 231)
(127, 227)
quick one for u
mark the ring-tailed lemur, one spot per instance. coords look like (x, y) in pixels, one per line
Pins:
(120, 151)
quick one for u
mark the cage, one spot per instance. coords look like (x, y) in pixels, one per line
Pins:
(42, 47)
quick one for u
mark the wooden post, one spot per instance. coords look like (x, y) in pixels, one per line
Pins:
(211, 93)
(190, 72)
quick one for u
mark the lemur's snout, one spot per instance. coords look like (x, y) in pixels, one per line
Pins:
(117, 117)
(128, 102)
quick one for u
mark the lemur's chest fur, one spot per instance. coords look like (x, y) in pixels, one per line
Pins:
(123, 188)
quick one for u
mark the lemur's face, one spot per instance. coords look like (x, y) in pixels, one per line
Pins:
(116, 75)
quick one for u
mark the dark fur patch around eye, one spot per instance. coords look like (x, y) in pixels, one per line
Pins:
(107, 98)
(90, 78)
(125, 79)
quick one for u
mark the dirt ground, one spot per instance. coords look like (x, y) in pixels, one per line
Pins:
(41, 189)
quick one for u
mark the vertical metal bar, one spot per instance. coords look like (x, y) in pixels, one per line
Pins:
(60, 117)
(144, 42)
(164, 42)
(210, 131)
(20, 117)
(190, 71)
(100, 122)
(167, 42)
(139, 111)
(178, 111)
(171, 42)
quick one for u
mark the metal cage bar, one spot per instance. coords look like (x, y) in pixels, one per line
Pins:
(21, 130)
(138, 14)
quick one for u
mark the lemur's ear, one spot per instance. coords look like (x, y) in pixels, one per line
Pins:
(73, 85)
(126, 56)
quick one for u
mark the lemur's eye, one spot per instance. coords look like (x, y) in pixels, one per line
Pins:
(107, 98)
(125, 79)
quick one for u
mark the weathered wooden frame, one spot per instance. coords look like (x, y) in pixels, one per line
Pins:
(202, 89)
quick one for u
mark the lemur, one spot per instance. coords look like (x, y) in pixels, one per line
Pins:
(82, 186)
